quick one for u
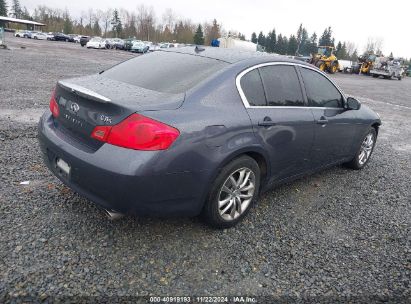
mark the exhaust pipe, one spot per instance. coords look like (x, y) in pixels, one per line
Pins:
(113, 215)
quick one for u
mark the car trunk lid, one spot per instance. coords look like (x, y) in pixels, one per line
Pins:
(87, 102)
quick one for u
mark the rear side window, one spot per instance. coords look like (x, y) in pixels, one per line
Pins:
(165, 72)
(281, 84)
(320, 91)
(253, 88)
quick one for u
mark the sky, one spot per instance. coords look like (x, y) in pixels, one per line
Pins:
(350, 20)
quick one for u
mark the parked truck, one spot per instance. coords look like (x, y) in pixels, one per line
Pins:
(387, 67)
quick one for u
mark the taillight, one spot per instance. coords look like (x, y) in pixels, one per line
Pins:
(54, 107)
(137, 132)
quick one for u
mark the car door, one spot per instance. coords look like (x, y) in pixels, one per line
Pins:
(274, 100)
(335, 127)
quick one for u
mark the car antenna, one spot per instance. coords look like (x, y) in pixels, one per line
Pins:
(199, 49)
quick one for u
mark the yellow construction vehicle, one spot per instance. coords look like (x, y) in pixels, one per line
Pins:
(366, 63)
(325, 59)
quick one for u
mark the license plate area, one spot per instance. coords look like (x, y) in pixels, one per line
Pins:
(63, 167)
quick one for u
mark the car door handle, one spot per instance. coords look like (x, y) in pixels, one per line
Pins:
(267, 122)
(322, 121)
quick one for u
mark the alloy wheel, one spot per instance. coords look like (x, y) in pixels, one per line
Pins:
(236, 194)
(366, 149)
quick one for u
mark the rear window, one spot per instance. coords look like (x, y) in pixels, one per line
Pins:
(165, 72)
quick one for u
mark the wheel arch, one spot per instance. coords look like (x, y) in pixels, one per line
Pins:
(376, 125)
(257, 154)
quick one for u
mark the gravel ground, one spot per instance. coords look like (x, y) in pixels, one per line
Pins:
(335, 236)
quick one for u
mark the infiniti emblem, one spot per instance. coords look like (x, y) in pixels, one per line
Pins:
(74, 107)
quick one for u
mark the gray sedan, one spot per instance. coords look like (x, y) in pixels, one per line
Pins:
(192, 131)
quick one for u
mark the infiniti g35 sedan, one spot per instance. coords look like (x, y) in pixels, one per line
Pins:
(192, 131)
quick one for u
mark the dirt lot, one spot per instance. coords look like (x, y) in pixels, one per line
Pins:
(337, 235)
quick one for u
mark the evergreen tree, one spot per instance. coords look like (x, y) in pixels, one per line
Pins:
(117, 26)
(303, 41)
(3, 8)
(25, 14)
(254, 37)
(271, 41)
(199, 36)
(16, 10)
(68, 25)
(281, 45)
(261, 39)
(292, 45)
(312, 44)
(354, 56)
(96, 28)
(341, 51)
(326, 38)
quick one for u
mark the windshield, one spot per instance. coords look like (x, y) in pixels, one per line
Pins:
(166, 72)
(95, 39)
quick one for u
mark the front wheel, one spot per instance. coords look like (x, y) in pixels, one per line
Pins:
(364, 152)
(233, 193)
(333, 68)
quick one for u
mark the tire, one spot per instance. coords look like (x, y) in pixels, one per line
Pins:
(375, 75)
(357, 162)
(243, 166)
(333, 68)
(399, 77)
(321, 65)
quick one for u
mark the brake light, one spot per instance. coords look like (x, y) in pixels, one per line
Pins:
(54, 107)
(139, 133)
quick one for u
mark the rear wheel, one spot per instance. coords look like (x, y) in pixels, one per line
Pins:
(364, 152)
(233, 193)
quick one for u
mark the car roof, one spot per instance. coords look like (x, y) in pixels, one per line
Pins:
(232, 55)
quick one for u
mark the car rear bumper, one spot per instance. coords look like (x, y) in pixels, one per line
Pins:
(120, 179)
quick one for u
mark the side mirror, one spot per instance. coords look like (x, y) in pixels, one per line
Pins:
(353, 104)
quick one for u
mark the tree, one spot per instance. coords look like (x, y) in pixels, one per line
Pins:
(282, 45)
(106, 19)
(302, 41)
(96, 28)
(373, 46)
(254, 37)
(326, 38)
(341, 51)
(312, 44)
(271, 41)
(117, 26)
(199, 36)
(212, 32)
(292, 45)
(261, 39)
(145, 22)
(3, 8)
(68, 25)
(16, 10)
